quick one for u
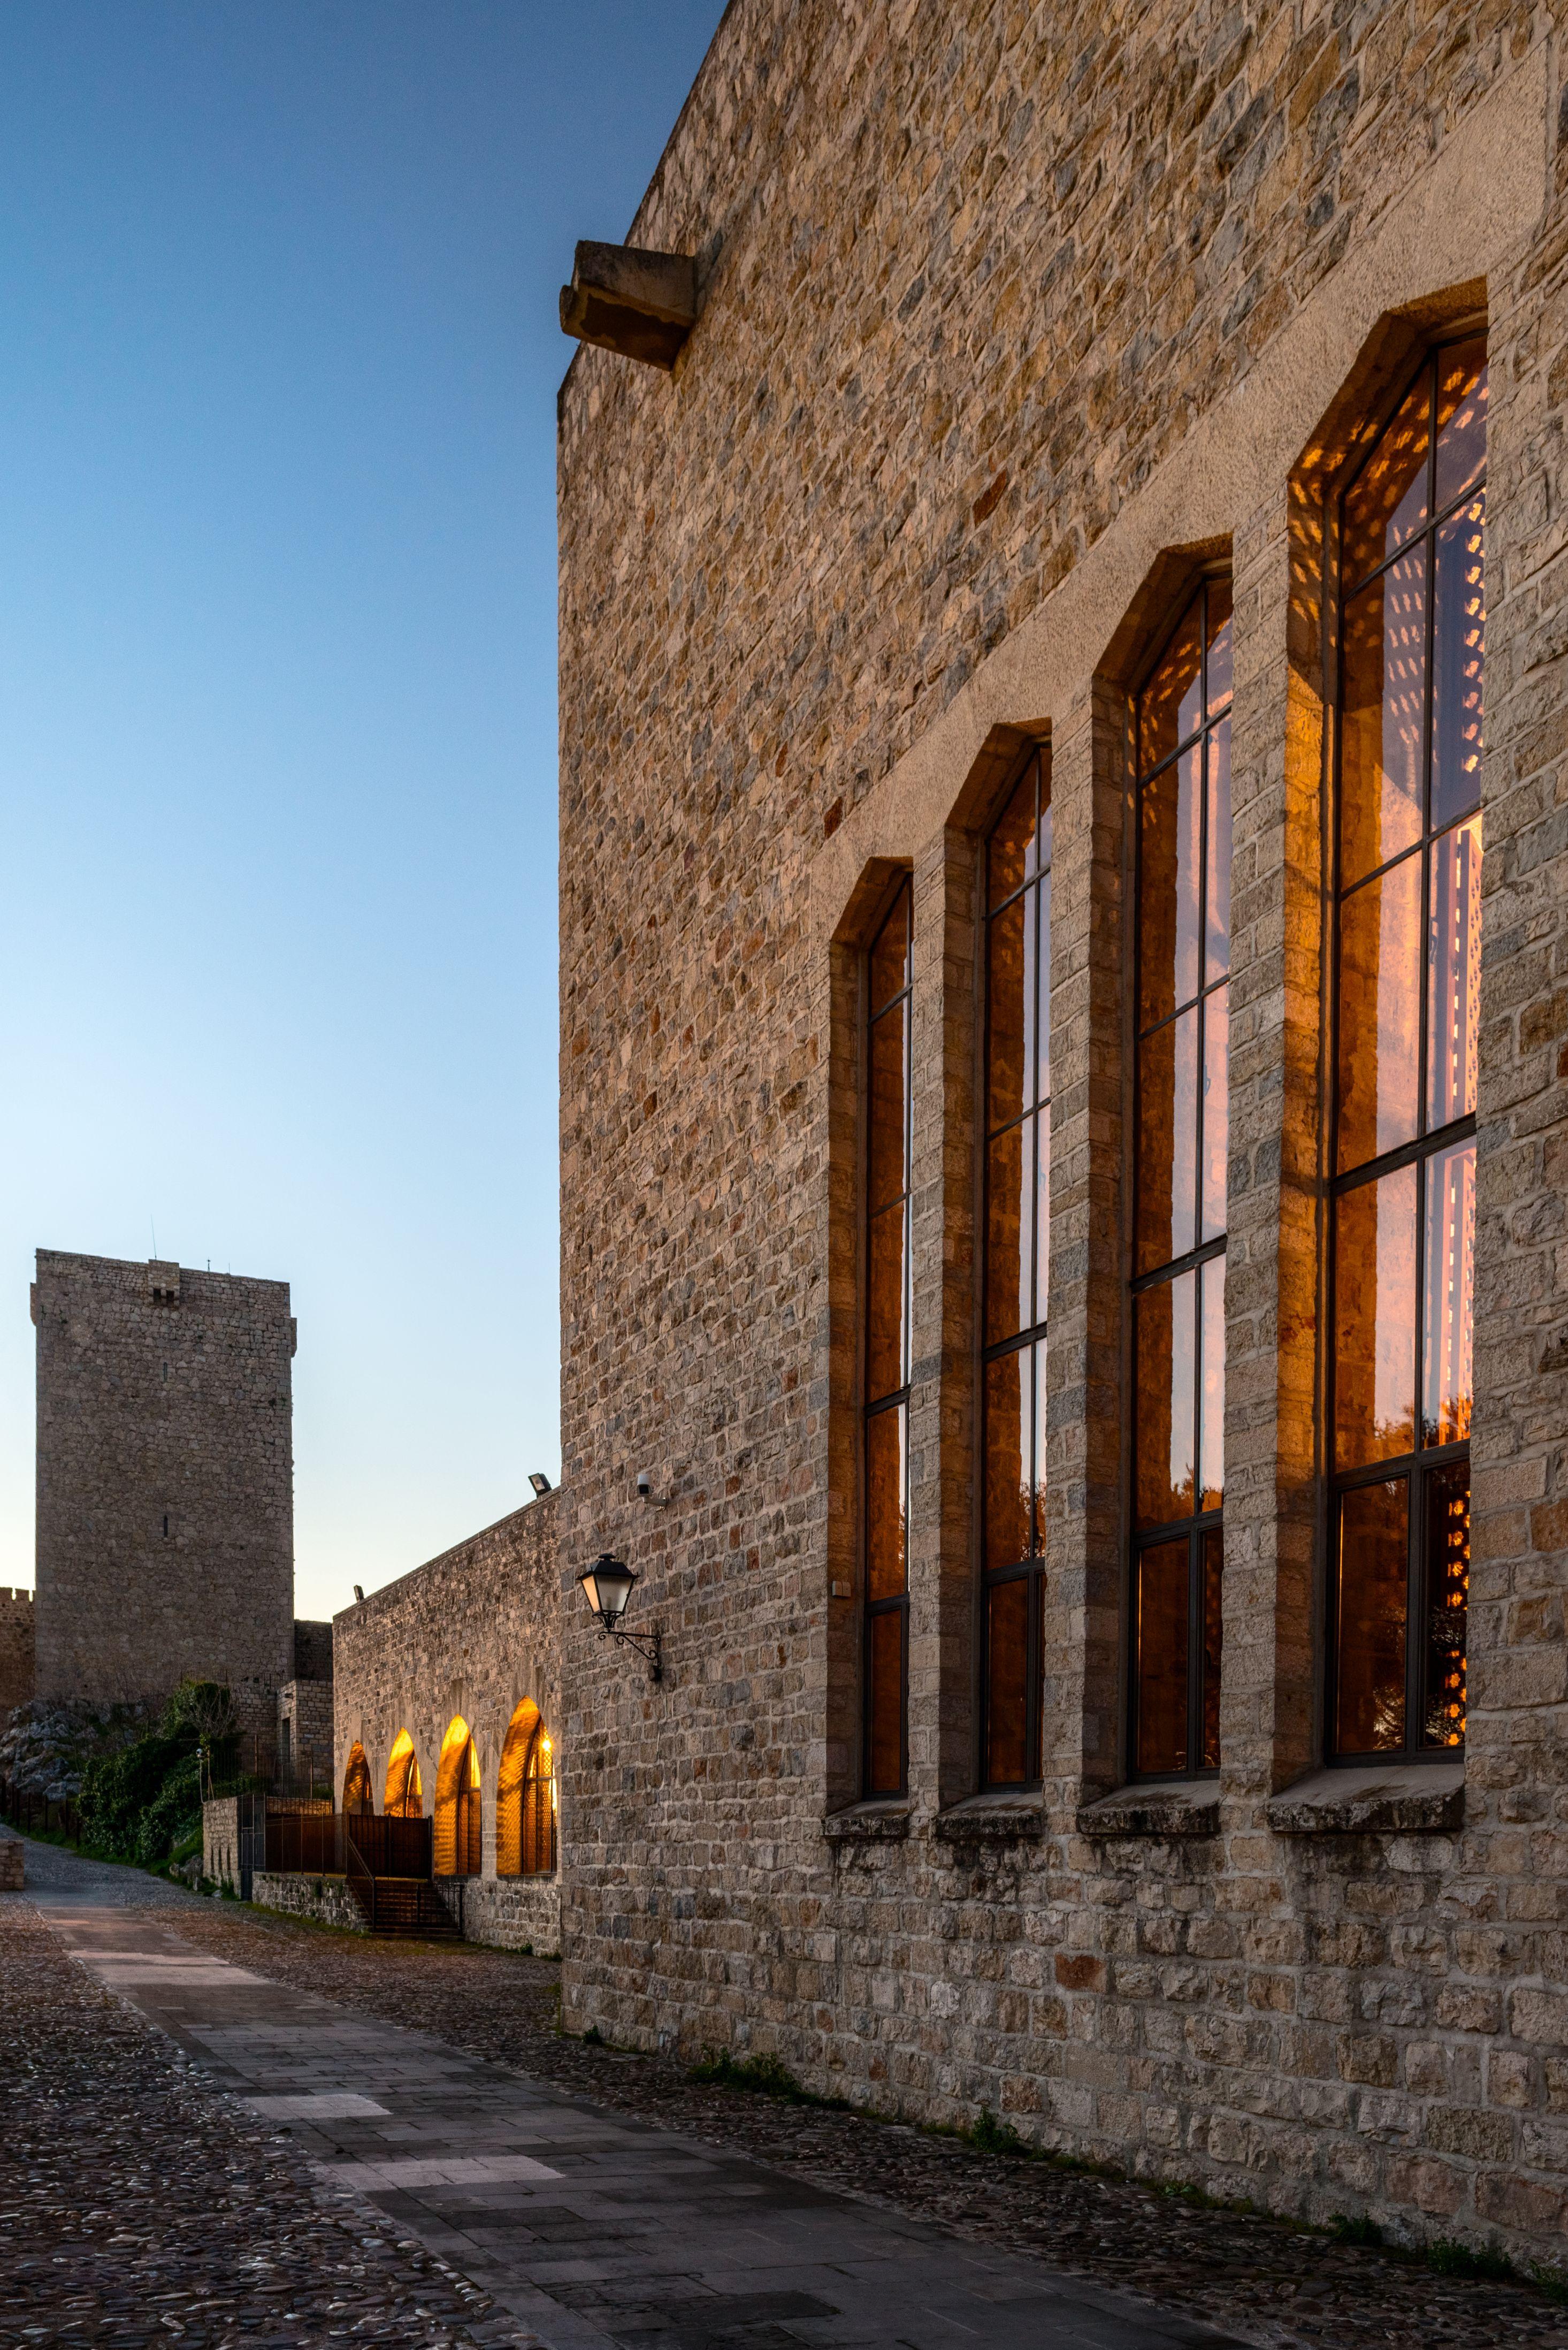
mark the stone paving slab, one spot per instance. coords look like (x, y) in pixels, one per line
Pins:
(611, 2235)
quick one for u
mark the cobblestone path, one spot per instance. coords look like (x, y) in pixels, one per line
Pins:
(1262, 2282)
(137, 2206)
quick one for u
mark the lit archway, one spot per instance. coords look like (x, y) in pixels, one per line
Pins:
(405, 1795)
(458, 1816)
(526, 1798)
(357, 1794)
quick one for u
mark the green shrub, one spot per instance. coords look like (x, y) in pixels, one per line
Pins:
(172, 1814)
(140, 1802)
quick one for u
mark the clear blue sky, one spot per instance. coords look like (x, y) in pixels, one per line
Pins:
(277, 715)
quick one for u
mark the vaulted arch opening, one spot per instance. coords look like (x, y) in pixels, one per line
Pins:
(526, 1798)
(357, 1794)
(459, 1817)
(405, 1795)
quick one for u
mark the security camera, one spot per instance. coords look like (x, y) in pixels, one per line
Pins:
(645, 1484)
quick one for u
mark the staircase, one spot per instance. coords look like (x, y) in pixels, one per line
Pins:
(408, 1906)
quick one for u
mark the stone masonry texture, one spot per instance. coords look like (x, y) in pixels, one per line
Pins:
(165, 1481)
(18, 1668)
(1012, 317)
(473, 1635)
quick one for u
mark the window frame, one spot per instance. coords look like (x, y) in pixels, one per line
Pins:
(1198, 1525)
(1419, 1469)
(869, 1409)
(1030, 1570)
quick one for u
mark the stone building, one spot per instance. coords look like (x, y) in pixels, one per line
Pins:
(165, 1484)
(982, 760)
(446, 1694)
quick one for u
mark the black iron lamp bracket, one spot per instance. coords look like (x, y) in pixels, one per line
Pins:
(647, 1644)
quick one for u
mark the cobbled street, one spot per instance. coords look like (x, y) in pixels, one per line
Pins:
(140, 2199)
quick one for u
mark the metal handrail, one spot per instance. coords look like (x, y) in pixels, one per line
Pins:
(357, 1867)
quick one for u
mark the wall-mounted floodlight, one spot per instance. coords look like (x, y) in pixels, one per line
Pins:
(540, 1483)
(607, 1586)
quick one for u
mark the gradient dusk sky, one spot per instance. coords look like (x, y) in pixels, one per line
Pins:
(278, 652)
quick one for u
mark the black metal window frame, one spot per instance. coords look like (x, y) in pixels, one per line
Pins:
(1201, 1523)
(872, 1408)
(1030, 1570)
(1419, 1469)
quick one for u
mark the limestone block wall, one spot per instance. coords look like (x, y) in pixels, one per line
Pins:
(327, 1900)
(305, 1725)
(18, 1663)
(1002, 334)
(165, 1479)
(473, 1634)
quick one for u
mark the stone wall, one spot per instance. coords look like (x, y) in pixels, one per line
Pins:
(327, 1900)
(305, 1727)
(165, 1502)
(18, 1664)
(1005, 332)
(473, 1634)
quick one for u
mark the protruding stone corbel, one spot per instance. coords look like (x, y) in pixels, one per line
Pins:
(642, 305)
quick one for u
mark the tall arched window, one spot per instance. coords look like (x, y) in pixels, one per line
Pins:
(457, 1844)
(404, 1797)
(357, 1794)
(526, 1798)
(887, 981)
(1181, 1123)
(1412, 614)
(1017, 1249)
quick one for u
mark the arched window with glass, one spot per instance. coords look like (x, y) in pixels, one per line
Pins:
(1181, 1129)
(1017, 1112)
(1407, 959)
(888, 978)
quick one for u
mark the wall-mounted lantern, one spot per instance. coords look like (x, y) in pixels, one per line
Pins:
(607, 1586)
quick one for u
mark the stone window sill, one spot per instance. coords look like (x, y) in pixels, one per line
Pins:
(878, 1823)
(1372, 1799)
(991, 1819)
(1155, 1807)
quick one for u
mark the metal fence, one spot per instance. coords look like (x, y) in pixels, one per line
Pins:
(35, 1814)
(315, 1844)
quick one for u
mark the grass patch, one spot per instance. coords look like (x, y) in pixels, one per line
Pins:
(1552, 2281)
(1358, 2230)
(1488, 2263)
(988, 2135)
(765, 2077)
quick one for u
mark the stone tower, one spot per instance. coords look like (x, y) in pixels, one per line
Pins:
(165, 1471)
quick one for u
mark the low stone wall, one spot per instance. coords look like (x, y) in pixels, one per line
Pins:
(11, 1876)
(510, 1913)
(326, 1898)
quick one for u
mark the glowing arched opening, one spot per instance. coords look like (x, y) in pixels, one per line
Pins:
(405, 1796)
(526, 1798)
(357, 1793)
(458, 1816)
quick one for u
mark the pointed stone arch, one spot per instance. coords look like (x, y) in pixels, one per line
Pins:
(458, 1815)
(404, 1796)
(359, 1795)
(526, 1797)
